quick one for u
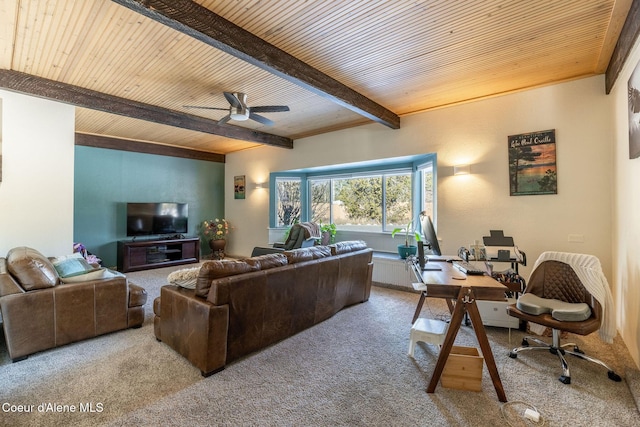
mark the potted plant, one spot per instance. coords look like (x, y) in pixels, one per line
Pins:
(405, 250)
(328, 233)
(215, 231)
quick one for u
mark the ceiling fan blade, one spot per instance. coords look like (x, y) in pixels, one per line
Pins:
(270, 108)
(206, 108)
(224, 120)
(260, 119)
(233, 100)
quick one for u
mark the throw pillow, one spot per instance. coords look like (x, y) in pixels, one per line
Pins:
(71, 265)
(185, 278)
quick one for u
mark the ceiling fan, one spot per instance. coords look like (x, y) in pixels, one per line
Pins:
(240, 111)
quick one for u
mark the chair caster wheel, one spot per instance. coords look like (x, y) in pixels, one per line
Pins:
(564, 380)
(614, 377)
(524, 343)
(513, 354)
(577, 350)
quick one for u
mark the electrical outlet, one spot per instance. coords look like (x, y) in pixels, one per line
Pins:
(576, 238)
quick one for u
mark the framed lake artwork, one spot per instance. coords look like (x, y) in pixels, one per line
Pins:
(532, 163)
(634, 113)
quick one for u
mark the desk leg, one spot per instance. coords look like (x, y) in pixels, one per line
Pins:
(454, 326)
(423, 295)
(466, 303)
(450, 305)
(481, 335)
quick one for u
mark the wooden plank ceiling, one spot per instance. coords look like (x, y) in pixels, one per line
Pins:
(408, 56)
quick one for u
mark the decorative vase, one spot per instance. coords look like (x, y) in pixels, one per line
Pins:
(217, 248)
(404, 251)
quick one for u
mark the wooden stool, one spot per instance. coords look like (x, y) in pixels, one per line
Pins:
(430, 331)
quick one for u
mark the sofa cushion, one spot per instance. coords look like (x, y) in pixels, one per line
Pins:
(217, 269)
(347, 246)
(299, 255)
(31, 269)
(185, 277)
(307, 254)
(95, 274)
(320, 251)
(267, 261)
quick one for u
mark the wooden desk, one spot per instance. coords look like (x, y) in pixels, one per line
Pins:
(461, 293)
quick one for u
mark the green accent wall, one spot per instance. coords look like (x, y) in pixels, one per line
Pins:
(105, 180)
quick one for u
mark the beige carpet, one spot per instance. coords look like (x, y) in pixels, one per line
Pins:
(351, 370)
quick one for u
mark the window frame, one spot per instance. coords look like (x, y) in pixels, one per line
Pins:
(412, 164)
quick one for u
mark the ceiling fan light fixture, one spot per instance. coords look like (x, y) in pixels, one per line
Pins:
(239, 114)
(239, 111)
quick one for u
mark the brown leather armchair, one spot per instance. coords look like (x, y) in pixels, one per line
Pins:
(556, 296)
(40, 312)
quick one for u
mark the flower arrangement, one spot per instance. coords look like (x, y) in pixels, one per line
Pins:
(215, 229)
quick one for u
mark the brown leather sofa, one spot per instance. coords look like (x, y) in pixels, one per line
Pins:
(40, 312)
(241, 306)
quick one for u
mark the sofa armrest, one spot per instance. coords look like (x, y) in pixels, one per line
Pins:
(137, 295)
(137, 300)
(8, 285)
(193, 327)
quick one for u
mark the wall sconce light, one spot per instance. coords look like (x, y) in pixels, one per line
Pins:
(461, 170)
(260, 185)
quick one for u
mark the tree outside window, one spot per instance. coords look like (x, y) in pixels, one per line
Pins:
(288, 201)
(320, 191)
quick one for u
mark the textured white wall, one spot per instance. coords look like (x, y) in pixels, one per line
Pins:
(36, 192)
(626, 222)
(470, 206)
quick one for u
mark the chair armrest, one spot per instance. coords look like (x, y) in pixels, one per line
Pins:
(257, 251)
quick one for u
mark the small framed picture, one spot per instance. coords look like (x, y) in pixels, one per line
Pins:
(238, 187)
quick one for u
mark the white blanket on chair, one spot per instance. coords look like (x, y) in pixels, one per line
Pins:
(589, 271)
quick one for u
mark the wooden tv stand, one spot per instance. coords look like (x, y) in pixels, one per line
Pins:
(134, 255)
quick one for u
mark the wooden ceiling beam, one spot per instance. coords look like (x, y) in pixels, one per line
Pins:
(628, 36)
(99, 141)
(81, 97)
(202, 24)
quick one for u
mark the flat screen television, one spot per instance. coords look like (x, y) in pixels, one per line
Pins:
(429, 233)
(147, 219)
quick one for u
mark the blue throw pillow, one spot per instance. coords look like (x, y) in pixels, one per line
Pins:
(72, 265)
